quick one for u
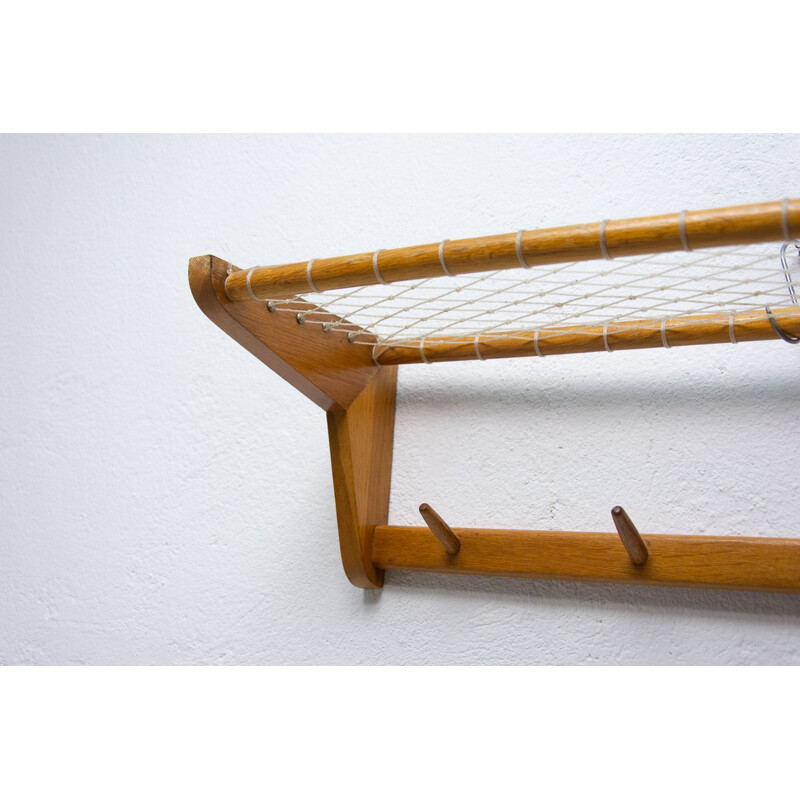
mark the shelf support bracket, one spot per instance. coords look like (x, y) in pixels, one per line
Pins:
(340, 377)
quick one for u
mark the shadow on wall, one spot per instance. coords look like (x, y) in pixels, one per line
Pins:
(465, 393)
(647, 599)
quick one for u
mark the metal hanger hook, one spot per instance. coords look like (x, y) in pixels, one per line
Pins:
(785, 336)
(785, 265)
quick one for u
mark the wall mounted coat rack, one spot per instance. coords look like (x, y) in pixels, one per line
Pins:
(338, 328)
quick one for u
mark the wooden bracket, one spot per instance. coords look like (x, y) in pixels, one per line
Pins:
(341, 378)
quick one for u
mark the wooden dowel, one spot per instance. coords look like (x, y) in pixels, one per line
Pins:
(440, 529)
(748, 326)
(713, 562)
(747, 224)
(631, 540)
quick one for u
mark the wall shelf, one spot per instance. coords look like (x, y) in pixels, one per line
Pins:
(323, 355)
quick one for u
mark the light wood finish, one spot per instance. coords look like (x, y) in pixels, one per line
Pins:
(440, 529)
(361, 441)
(341, 378)
(748, 326)
(325, 367)
(747, 224)
(359, 397)
(715, 562)
(633, 543)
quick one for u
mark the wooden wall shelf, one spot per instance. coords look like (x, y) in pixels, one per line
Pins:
(355, 386)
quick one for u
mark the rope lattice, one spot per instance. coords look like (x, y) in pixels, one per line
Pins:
(582, 293)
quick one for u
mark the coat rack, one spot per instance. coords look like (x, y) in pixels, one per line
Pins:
(323, 355)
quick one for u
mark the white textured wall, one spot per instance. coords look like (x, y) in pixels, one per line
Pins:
(166, 499)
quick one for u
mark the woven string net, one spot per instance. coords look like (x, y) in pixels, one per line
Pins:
(581, 294)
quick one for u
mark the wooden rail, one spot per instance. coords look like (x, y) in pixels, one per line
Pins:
(749, 326)
(712, 562)
(747, 224)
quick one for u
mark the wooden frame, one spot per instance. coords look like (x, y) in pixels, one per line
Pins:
(357, 395)
(355, 385)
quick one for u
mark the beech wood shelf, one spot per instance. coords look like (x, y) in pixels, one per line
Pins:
(356, 388)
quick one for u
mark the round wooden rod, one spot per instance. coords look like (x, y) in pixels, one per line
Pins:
(749, 224)
(746, 326)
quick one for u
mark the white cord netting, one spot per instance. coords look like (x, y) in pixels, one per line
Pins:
(583, 294)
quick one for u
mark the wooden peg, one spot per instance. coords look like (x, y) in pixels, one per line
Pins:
(633, 542)
(440, 529)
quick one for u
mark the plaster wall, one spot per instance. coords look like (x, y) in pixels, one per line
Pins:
(166, 499)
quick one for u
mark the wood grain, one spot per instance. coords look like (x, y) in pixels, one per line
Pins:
(715, 562)
(361, 440)
(747, 224)
(325, 367)
(341, 378)
(748, 326)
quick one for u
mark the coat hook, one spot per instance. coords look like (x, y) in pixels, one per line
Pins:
(440, 529)
(633, 542)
